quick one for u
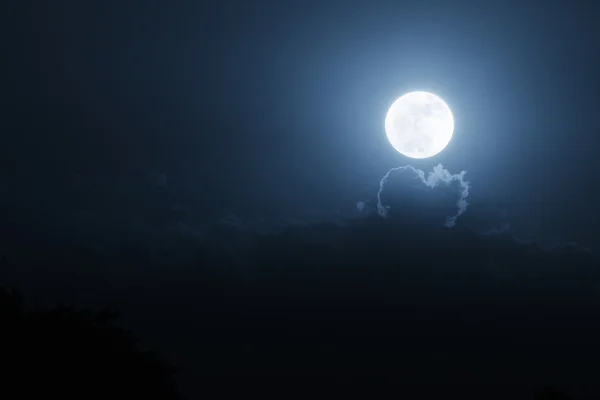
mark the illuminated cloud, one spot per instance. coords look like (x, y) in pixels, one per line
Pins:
(440, 175)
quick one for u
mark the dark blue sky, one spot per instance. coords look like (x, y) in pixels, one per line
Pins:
(276, 108)
(146, 122)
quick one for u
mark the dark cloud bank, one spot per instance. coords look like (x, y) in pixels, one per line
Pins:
(331, 294)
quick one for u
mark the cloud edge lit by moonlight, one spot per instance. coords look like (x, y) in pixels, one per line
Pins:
(433, 179)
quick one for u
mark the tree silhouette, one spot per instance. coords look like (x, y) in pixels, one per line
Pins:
(67, 353)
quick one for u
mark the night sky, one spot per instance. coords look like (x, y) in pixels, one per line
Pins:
(198, 165)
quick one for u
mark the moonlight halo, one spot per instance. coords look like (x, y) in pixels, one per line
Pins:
(419, 125)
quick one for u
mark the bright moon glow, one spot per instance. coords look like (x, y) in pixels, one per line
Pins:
(419, 125)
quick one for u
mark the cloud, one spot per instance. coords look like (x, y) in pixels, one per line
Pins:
(440, 175)
(360, 206)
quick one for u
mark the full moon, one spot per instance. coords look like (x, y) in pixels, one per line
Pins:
(419, 125)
